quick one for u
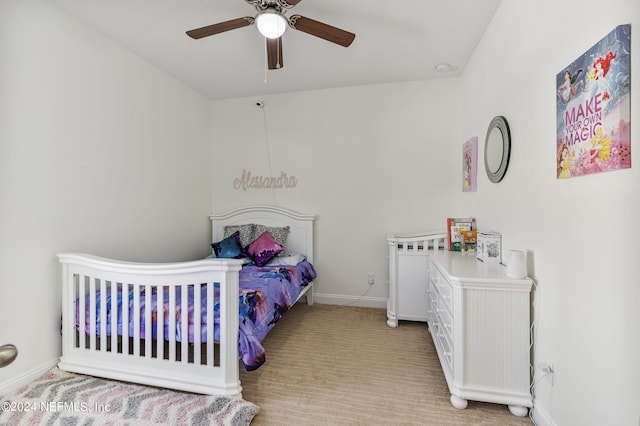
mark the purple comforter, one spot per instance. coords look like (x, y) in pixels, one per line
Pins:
(266, 293)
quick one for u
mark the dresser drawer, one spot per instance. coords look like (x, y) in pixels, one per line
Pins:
(432, 299)
(441, 284)
(445, 346)
(432, 307)
(445, 320)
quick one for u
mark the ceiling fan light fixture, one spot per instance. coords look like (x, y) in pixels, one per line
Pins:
(271, 23)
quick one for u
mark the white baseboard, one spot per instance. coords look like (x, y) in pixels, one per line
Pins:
(540, 416)
(27, 377)
(360, 301)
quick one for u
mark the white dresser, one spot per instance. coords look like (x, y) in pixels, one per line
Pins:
(479, 321)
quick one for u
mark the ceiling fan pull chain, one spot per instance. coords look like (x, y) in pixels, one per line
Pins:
(278, 50)
(266, 64)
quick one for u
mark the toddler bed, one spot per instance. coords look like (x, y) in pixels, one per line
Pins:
(152, 323)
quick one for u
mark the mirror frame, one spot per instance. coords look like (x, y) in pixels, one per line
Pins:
(500, 123)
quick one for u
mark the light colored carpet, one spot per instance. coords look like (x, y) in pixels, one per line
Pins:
(336, 365)
(62, 398)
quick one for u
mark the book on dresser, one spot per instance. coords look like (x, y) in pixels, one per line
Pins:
(455, 226)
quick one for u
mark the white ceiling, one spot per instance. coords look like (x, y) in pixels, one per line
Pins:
(395, 41)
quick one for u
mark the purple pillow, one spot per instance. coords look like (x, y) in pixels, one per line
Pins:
(263, 249)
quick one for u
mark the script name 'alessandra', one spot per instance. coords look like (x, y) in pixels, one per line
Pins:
(264, 182)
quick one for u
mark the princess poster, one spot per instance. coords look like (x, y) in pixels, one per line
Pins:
(470, 165)
(594, 109)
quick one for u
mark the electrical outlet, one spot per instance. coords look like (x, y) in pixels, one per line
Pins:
(371, 278)
(547, 369)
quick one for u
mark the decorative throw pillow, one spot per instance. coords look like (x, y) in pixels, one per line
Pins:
(229, 248)
(263, 249)
(247, 233)
(279, 233)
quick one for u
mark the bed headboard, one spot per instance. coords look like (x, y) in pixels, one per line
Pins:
(300, 237)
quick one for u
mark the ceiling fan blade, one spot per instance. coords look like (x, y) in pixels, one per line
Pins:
(220, 27)
(322, 30)
(274, 53)
(285, 4)
(289, 3)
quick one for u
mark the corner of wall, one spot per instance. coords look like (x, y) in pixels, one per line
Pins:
(27, 377)
(540, 416)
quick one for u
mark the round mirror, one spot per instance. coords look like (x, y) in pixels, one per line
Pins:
(497, 147)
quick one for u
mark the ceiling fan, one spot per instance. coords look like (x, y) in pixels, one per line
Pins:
(272, 23)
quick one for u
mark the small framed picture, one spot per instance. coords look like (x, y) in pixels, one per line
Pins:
(470, 165)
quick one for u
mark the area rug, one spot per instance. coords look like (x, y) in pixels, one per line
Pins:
(62, 398)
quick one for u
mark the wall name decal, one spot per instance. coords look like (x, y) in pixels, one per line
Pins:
(247, 181)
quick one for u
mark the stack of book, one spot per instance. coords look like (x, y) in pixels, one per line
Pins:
(461, 233)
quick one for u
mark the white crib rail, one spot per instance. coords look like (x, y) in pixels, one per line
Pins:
(121, 355)
(417, 243)
(408, 268)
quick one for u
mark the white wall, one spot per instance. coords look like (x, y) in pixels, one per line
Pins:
(582, 230)
(369, 161)
(99, 152)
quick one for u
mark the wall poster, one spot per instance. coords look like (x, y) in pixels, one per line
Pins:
(594, 109)
(470, 165)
